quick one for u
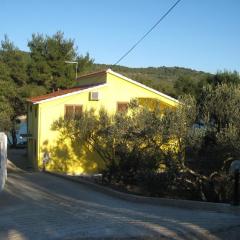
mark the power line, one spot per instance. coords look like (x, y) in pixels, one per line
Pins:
(150, 30)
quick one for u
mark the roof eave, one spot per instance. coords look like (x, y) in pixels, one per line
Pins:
(68, 94)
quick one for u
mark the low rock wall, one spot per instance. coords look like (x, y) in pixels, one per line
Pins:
(3, 160)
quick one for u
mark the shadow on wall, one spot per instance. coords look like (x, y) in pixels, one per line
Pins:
(153, 104)
(65, 156)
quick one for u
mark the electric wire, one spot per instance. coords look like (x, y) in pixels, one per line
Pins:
(149, 31)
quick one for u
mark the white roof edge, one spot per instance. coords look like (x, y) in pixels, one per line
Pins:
(71, 94)
(142, 85)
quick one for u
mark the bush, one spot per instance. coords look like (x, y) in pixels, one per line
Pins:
(156, 183)
(150, 147)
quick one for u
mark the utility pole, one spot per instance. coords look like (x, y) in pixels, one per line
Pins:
(72, 62)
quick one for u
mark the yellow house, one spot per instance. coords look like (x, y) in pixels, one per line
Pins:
(105, 89)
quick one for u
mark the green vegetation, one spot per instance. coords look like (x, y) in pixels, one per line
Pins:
(47, 66)
(134, 146)
(42, 70)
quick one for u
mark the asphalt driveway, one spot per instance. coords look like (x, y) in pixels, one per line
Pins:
(40, 206)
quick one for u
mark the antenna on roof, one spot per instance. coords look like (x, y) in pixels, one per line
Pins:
(72, 62)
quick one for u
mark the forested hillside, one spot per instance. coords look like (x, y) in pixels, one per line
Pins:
(160, 78)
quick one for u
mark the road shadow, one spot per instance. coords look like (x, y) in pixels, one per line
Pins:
(66, 210)
(18, 160)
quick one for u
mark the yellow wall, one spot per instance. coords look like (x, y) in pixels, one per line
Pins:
(121, 90)
(76, 159)
(64, 157)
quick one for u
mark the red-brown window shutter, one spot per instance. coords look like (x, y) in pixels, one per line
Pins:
(72, 111)
(69, 111)
(78, 110)
(122, 106)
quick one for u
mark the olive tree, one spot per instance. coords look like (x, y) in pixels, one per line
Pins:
(127, 143)
(138, 142)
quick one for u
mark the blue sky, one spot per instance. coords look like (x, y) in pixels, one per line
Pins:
(203, 35)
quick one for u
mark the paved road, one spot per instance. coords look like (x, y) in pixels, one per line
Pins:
(40, 206)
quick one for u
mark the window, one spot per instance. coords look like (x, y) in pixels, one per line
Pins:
(36, 111)
(122, 106)
(94, 96)
(30, 107)
(72, 111)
